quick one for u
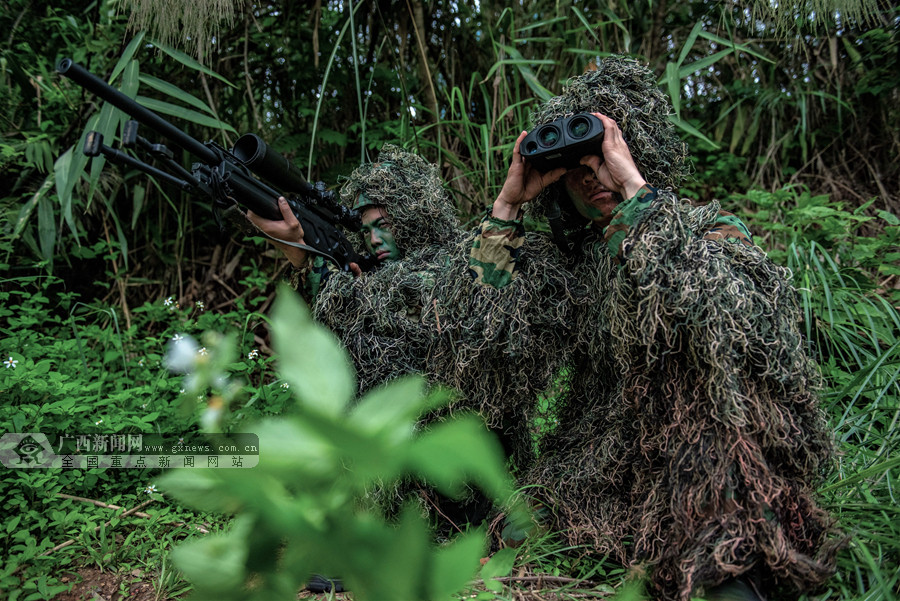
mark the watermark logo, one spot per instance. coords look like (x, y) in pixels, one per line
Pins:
(26, 450)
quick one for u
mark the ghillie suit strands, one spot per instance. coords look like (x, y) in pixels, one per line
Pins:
(691, 439)
(423, 314)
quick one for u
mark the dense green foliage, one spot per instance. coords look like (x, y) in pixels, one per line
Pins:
(794, 123)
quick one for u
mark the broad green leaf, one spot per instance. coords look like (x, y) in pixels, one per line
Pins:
(200, 488)
(498, 566)
(673, 82)
(392, 407)
(691, 130)
(455, 564)
(139, 192)
(702, 63)
(215, 563)
(524, 67)
(689, 42)
(742, 47)
(312, 360)
(176, 92)
(190, 62)
(294, 446)
(587, 26)
(127, 55)
(452, 453)
(174, 110)
(402, 554)
(889, 217)
(28, 207)
(46, 228)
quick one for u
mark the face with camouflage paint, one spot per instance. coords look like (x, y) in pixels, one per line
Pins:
(377, 236)
(589, 196)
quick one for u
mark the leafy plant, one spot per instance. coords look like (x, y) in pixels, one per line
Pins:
(308, 506)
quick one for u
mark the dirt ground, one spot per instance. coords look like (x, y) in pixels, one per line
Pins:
(93, 585)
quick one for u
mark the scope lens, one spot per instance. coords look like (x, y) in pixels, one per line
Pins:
(579, 127)
(548, 136)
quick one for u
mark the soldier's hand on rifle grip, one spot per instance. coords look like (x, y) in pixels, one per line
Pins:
(288, 229)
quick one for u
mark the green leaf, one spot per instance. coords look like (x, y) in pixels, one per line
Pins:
(312, 360)
(452, 453)
(689, 43)
(215, 563)
(200, 488)
(127, 56)
(455, 564)
(889, 217)
(702, 63)
(392, 407)
(190, 62)
(28, 207)
(176, 92)
(46, 228)
(293, 446)
(673, 82)
(174, 110)
(691, 130)
(500, 565)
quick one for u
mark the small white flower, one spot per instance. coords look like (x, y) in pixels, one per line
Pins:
(144, 406)
(203, 351)
(200, 305)
(169, 301)
(181, 391)
(11, 363)
(177, 338)
(141, 362)
(253, 354)
(181, 355)
(181, 440)
(285, 385)
(150, 489)
(98, 422)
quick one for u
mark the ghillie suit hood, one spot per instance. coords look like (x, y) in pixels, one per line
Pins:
(410, 189)
(626, 91)
(691, 439)
(423, 313)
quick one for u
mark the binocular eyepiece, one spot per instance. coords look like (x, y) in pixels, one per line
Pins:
(563, 142)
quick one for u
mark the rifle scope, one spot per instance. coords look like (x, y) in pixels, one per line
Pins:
(271, 165)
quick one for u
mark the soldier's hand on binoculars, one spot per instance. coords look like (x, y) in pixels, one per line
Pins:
(523, 184)
(617, 171)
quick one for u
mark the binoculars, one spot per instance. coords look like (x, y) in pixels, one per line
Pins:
(563, 142)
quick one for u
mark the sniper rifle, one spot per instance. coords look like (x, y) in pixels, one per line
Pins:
(251, 174)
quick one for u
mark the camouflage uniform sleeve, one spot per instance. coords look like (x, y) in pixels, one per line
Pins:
(310, 278)
(495, 251)
(627, 214)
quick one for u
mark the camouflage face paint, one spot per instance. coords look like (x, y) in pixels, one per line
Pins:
(589, 197)
(377, 234)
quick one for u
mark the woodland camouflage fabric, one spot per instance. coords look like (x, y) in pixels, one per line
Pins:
(497, 243)
(690, 439)
(422, 314)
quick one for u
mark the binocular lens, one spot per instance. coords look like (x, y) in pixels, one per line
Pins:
(548, 136)
(579, 128)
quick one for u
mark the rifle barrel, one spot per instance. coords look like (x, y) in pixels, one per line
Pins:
(100, 88)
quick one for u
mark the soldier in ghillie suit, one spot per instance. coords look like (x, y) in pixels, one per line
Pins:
(418, 312)
(690, 439)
